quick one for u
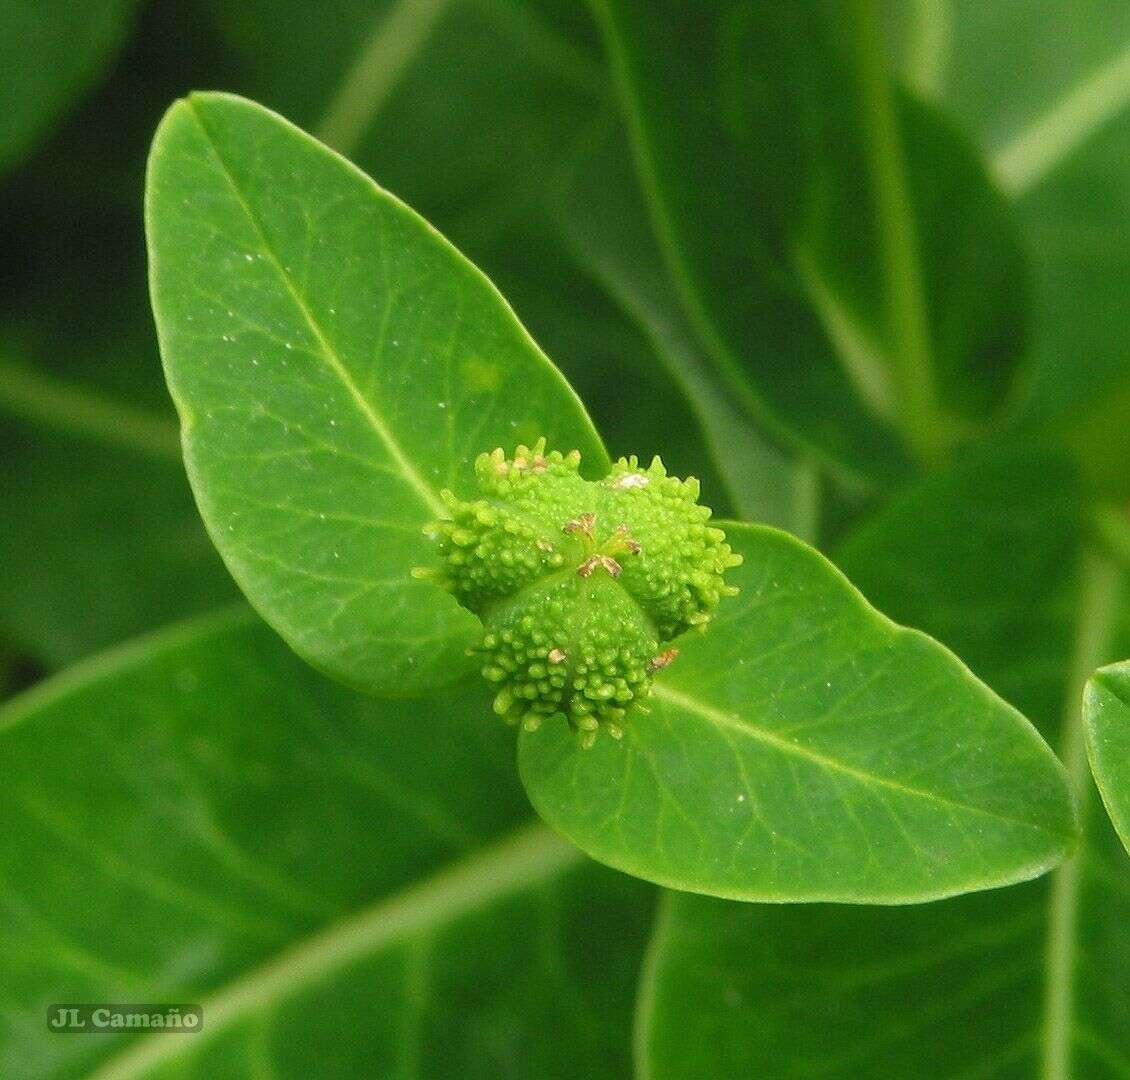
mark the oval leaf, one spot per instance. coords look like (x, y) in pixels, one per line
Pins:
(298, 859)
(986, 557)
(1106, 719)
(806, 748)
(335, 363)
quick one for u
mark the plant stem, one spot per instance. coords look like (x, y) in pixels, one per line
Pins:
(387, 55)
(911, 363)
(806, 501)
(1099, 594)
(46, 400)
(1040, 147)
(929, 46)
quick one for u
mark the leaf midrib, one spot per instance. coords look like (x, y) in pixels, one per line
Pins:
(329, 355)
(743, 727)
(528, 856)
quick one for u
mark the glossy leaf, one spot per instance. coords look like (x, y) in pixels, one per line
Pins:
(336, 364)
(1106, 715)
(340, 898)
(1046, 93)
(1026, 982)
(805, 748)
(838, 245)
(465, 110)
(118, 547)
(50, 51)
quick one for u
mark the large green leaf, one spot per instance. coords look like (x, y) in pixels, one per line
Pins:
(1106, 714)
(336, 364)
(1028, 982)
(50, 50)
(201, 817)
(839, 247)
(464, 109)
(1045, 89)
(806, 748)
(123, 549)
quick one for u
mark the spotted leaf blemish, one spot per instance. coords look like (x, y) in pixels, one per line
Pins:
(579, 584)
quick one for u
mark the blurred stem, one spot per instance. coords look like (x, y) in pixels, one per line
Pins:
(806, 501)
(386, 56)
(1112, 529)
(929, 46)
(909, 354)
(31, 395)
(1055, 135)
(1100, 588)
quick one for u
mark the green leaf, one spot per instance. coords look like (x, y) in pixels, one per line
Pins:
(806, 748)
(340, 897)
(838, 246)
(336, 364)
(50, 51)
(603, 215)
(501, 89)
(1046, 93)
(1027, 982)
(1106, 716)
(983, 557)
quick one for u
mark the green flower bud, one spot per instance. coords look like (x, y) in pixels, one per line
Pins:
(579, 584)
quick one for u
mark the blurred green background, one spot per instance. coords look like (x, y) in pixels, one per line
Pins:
(748, 361)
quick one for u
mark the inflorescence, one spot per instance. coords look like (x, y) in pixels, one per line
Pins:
(579, 584)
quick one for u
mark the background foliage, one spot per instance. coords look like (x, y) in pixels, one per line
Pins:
(862, 268)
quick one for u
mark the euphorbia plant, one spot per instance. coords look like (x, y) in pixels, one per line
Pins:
(335, 852)
(344, 377)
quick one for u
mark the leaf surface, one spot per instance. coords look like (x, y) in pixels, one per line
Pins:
(336, 364)
(100, 541)
(1026, 982)
(466, 109)
(805, 748)
(298, 858)
(1106, 716)
(837, 245)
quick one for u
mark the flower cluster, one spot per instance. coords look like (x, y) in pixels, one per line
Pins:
(579, 584)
